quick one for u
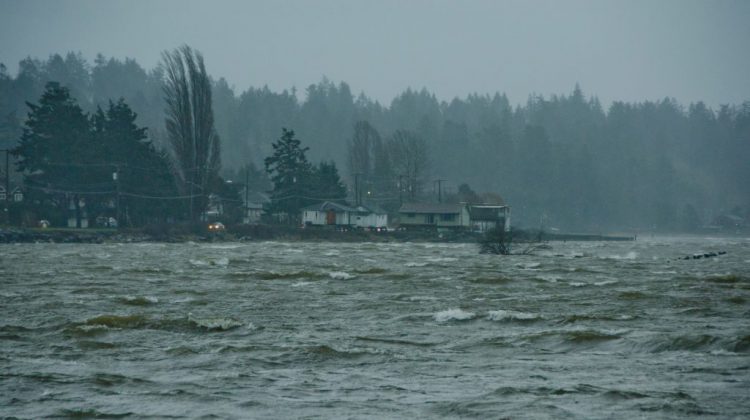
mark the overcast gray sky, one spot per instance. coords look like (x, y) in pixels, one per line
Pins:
(618, 50)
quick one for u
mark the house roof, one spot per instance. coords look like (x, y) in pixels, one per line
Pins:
(370, 210)
(329, 205)
(437, 208)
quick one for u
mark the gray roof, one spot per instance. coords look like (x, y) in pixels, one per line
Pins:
(329, 205)
(436, 208)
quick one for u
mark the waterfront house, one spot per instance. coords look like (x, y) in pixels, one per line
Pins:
(368, 218)
(485, 217)
(442, 215)
(328, 213)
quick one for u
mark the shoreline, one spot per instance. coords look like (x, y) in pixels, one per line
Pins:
(253, 233)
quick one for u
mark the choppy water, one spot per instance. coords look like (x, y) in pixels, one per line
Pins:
(329, 330)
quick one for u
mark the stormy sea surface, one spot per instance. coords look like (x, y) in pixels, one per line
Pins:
(375, 330)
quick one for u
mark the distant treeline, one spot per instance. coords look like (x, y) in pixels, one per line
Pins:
(561, 161)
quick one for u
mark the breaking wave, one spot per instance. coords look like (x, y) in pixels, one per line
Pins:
(340, 275)
(454, 314)
(503, 315)
(211, 262)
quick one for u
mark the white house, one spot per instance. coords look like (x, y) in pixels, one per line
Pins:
(16, 194)
(329, 213)
(434, 214)
(334, 214)
(484, 217)
(478, 217)
(367, 218)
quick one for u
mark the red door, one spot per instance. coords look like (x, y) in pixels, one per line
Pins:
(331, 217)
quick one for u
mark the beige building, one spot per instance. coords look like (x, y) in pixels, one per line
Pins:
(477, 217)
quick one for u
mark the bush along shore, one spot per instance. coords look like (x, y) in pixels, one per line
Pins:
(260, 232)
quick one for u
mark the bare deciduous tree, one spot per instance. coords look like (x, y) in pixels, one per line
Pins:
(190, 125)
(410, 157)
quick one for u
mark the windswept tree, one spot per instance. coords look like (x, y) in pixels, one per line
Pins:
(190, 125)
(291, 175)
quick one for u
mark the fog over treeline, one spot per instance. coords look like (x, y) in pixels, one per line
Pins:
(562, 160)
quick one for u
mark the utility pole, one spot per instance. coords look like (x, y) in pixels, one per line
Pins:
(7, 184)
(247, 181)
(116, 179)
(401, 190)
(440, 189)
(356, 189)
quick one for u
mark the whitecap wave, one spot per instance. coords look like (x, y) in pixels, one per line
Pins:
(301, 284)
(442, 259)
(627, 256)
(221, 324)
(215, 262)
(503, 315)
(577, 284)
(529, 266)
(421, 298)
(340, 275)
(416, 264)
(454, 314)
(605, 282)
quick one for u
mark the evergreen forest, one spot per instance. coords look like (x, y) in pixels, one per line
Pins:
(563, 161)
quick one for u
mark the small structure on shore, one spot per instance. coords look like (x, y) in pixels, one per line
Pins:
(485, 217)
(254, 203)
(477, 217)
(329, 213)
(435, 214)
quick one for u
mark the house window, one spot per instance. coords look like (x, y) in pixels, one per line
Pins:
(2, 196)
(410, 215)
(448, 217)
(18, 197)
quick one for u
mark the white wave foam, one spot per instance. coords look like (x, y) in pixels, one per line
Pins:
(226, 246)
(416, 264)
(222, 324)
(605, 282)
(332, 254)
(149, 299)
(421, 298)
(301, 284)
(217, 262)
(529, 266)
(503, 315)
(722, 352)
(577, 284)
(453, 314)
(628, 256)
(340, 275)
(442, 259)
